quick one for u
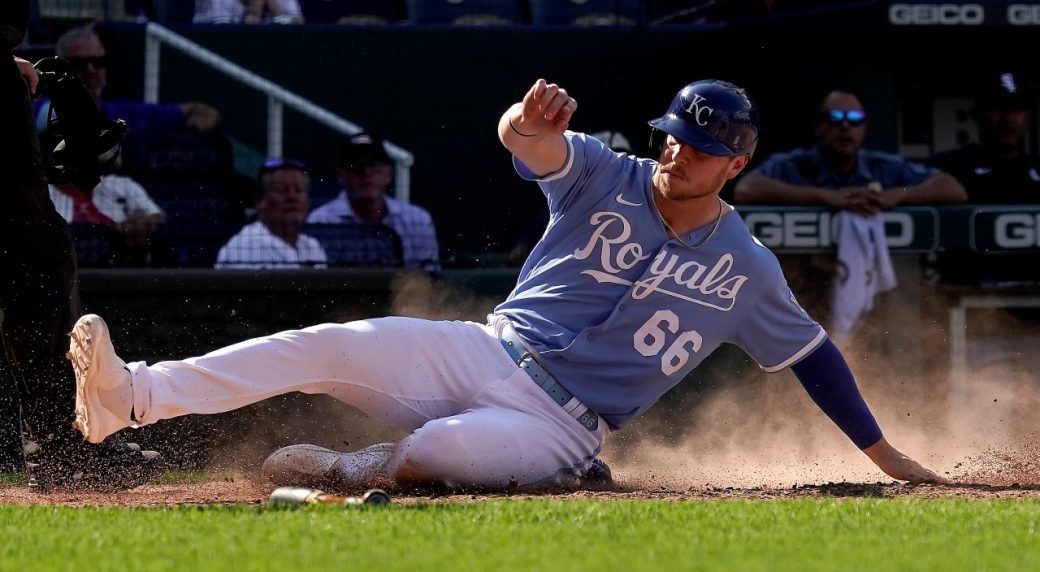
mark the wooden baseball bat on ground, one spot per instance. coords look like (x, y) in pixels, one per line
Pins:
(295, 496)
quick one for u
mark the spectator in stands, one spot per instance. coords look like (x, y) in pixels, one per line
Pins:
(838, 173)
(366, 173)
(860, 183)
(275, 240)
(248, 12)
(997, 168)
(119, 202)
(534, 231)
(86, 56)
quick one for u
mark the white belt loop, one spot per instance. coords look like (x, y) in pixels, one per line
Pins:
(527, 359)
(573, 405)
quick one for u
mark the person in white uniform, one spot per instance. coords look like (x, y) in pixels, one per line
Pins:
(642, 272)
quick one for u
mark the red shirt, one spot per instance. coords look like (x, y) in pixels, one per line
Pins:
(83, 209)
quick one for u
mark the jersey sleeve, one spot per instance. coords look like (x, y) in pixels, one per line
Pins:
(778, 333)
(590, 171)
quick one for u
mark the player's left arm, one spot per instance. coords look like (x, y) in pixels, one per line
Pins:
(938, 188)
(825, 375)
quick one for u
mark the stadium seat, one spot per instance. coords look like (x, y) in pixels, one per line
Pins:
(353, 244)
(95, 244)
(352, 12)
(195, 244)
(195, 210)
(174, 11)
(161, 190)
(586, 12)
(177, 155)
(466, 12)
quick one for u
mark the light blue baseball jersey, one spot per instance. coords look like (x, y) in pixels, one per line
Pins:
(619, 312)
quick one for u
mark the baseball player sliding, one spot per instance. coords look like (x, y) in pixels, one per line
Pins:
(642, 272)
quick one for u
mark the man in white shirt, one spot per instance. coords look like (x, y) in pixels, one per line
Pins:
(117, 200)
(275, 241)
(120, 203)
(366, 172)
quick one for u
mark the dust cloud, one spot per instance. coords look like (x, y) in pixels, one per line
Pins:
(981, 427)
(242, 439)
(731, 425)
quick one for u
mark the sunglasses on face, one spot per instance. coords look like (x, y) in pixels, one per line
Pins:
(279, 163)
(835, 117)
(80, 64)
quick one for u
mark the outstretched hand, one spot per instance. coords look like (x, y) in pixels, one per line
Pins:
(546, 109)
(899, 466)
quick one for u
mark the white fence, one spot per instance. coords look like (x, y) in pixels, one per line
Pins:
(277, 99)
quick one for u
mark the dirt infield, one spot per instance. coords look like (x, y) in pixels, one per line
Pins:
(996, 473)
(243, 490)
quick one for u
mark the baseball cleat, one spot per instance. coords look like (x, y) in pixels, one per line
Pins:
(598, 473)
(104, 398)
(314, 466)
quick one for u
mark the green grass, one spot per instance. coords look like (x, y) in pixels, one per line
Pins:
(538, 534)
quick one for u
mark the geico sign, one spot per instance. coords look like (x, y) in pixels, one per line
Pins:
(936, 14)
(1023, 14)
(819, 229)
(1017, 230)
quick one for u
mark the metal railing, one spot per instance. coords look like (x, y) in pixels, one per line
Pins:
(277, 99)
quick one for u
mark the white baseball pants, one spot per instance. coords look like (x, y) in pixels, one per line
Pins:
(475, 417)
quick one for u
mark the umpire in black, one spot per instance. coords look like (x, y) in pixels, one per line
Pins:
(38, 293)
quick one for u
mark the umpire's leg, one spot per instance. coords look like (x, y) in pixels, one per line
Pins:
(38, 284)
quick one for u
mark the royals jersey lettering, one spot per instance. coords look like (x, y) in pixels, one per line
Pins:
(642, 310)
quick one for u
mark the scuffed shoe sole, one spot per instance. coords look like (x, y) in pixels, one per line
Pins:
(308, 465)
(314, 466)
(94, 360)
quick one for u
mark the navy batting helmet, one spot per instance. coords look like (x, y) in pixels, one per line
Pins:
(714, 116)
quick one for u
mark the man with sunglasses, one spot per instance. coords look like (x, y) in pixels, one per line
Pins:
(366, 173)
(87, 60)
(275, 240)
(838, 173)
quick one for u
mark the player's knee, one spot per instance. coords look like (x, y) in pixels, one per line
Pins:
(441, 452)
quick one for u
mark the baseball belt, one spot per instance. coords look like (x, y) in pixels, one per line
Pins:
(526, 360)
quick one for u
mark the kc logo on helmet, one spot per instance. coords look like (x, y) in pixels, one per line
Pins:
(696, 109)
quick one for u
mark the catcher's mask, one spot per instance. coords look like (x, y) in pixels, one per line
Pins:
(79, 144)
(714, 116)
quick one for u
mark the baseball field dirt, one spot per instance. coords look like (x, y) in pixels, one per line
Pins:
(239, 488)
